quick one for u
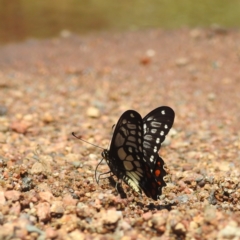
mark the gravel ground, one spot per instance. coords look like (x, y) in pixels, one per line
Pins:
(50, 88)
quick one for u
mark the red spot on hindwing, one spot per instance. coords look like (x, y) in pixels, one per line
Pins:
(157, 172)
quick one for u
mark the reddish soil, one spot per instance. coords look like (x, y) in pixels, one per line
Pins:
(50, 88)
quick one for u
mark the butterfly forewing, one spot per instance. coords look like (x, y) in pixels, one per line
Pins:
(125, 152)
(156, 126)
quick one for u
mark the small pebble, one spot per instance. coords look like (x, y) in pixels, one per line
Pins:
(180, 228)
(182, 62)
(51, 233)
(77, 235)
(146, 216)
(150, 53)
(19, 127)
(38, 168)
(26, 183)
(2, 198)
(15, 209)
(229, 232)
(3, 110)
(12, 195)
(111, 216)
(57, 208)
(43, 211)
(46, 196)
(3, 137)
(93, 112)
(3, 128)
(47, 117)
(69, 201)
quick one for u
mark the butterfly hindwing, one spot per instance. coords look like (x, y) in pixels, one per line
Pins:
(152, 187)
(159, 173)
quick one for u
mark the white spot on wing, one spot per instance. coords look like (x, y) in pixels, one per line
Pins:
(163, 112)
(131, 126)
(146, 145)
(148, 137)
(153, 130)
(150, 118)
(155, 149)
(156, 124)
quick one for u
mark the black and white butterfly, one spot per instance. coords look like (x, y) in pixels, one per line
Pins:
(133, 152)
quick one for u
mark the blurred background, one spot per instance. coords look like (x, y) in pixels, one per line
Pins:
(22, 19)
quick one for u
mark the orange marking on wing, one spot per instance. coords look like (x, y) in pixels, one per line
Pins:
(157, 172)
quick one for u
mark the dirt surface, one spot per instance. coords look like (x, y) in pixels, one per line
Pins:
(50, 88)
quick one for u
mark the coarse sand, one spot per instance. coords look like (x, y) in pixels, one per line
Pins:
(50, 88)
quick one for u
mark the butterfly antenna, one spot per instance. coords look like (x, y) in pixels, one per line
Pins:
(85, 141)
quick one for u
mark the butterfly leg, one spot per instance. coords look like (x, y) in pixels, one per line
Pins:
(99, 176)
(119, 189)
(118, 183)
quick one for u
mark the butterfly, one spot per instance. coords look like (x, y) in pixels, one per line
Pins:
(133, 153)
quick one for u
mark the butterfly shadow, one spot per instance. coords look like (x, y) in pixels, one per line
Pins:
(153, 206)
(150, 206)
